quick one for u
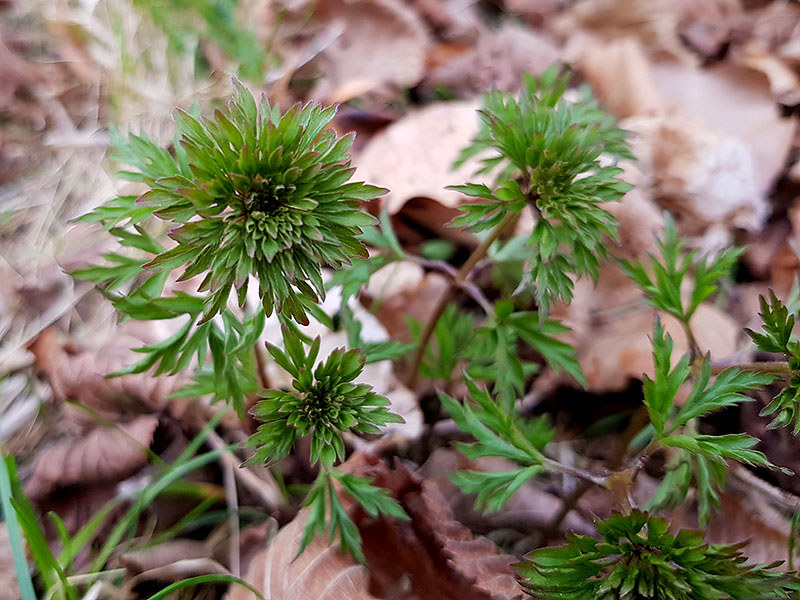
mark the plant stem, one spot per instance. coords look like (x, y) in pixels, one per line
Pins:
(777, 367)
(638, 421)
(460, 277)
(261, 367)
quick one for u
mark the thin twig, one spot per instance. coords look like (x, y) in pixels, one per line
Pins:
(461, 276)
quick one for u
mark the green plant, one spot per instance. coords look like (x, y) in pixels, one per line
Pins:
(252, 196)
(637, 557)
(259, 199)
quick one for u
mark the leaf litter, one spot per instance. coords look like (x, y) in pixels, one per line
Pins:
(708, 90)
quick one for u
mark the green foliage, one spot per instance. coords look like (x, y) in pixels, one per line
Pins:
(252, 192)
(453, 337)
(662, 282)
(498, 433)
(323, 499)
(325, 403)
(492, 352)
(546, 153)
(701, 455)
(778, 336)
(637, 558)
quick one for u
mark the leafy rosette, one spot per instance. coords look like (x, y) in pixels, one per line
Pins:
(324, 404)
(638, 558)
(254, 192)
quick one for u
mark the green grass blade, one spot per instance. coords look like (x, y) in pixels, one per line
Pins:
(204, 579)
(14, 532)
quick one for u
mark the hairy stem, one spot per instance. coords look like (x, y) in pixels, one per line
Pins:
(459, 278)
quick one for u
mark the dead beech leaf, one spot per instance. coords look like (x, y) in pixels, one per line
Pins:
(430, 557)
(706, 25)
(783, 80)
(654, 23)
(380, 42)
(619, 72)
(320, 573)
(81, 378)
(735, 102)
(497, 60)
(621, 349)
(413, 156)
(107, 454)
(704, 177)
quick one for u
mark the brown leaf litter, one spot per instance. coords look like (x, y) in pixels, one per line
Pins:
(429, 557)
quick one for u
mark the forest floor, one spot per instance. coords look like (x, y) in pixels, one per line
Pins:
(709, 90)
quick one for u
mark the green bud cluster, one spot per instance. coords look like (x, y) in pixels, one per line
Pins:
(324, 404)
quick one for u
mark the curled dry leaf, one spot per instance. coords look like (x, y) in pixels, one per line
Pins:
(107, 454)
(430, 557)
(619, 72)
(81, 378)
(496, 61)
(654, 23)
(707, 25)
(413, 156)
(380, 42)
(783, 80)
(700, 175)
(734, 102)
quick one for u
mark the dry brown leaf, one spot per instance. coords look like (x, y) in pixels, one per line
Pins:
(105, 455)
(497, 61)
(379, 42)
(320, 573)
(536, 12)
(452, 20)
(81, 378)
(734, 102)
(654, 23)
(706, 25)
(413, 156)
(611, 327)
(164, 554)
(703, 177)
(619, 72)
(783, 81)
(430, 557)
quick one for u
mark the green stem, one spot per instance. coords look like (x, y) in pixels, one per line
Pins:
(458, 280)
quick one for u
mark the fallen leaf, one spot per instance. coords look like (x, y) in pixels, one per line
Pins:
(81, 377)
(536, 12)
(619, 72)
(497, 60)
(734, 102)
(381, 42)
(654, 23)
(413, 156)
(452, 20)
(430, 557)
(707, 26)
(105, 455)
(783, 81)
(703, 177)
